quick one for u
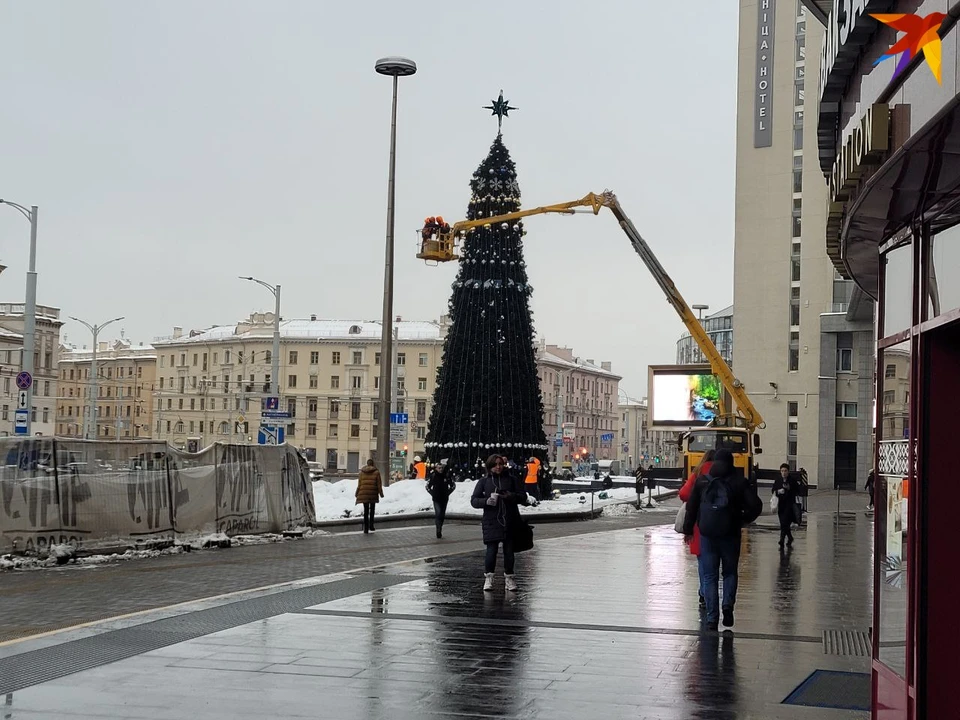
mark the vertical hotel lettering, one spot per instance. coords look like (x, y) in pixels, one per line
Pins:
(763, 89)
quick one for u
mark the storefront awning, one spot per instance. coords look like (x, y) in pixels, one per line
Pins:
(921, 179)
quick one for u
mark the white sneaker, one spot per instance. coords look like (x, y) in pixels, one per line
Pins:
(510, 582)
(488, 581)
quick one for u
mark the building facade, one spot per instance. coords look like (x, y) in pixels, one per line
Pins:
(800, 352)
(639, 445)
(719, 326)
(46, 347)
(888, 132)
(211, 385)
(126, 379)
(582, 396)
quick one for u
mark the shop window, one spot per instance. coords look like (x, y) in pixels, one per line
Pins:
(898, 291)
(943, 289)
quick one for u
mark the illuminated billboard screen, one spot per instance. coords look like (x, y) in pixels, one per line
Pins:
(683, 395)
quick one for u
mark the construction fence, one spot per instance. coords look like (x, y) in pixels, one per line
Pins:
(95, 495)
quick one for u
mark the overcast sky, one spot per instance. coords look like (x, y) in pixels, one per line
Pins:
(174, 145)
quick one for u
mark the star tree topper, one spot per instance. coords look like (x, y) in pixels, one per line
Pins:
(501, 108)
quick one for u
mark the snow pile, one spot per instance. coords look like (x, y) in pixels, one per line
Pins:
(335, 501)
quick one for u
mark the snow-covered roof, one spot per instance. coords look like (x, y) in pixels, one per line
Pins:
(631, 402)
(10, 335)
(577, 364)
(346, 330)
(116, 351)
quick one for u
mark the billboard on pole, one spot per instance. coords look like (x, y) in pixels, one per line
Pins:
(683, 396)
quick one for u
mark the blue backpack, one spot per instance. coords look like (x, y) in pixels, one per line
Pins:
(716, 517)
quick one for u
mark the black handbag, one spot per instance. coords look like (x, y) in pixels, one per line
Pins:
(522, 536)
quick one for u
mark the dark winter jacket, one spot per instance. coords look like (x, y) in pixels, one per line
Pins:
(744, 505)
(498, 519)
(788, 499)
(370, 486)
(440, 485)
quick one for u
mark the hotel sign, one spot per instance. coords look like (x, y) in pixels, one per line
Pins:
(862, 146)
(763, 87)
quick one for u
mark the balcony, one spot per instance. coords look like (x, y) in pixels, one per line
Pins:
(311, 414)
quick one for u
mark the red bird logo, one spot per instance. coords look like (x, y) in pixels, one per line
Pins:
(921, 35)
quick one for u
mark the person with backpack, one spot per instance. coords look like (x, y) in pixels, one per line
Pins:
(721, 503)
(440, 484)
(693, 541)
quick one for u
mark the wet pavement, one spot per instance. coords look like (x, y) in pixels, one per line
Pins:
(605, 625)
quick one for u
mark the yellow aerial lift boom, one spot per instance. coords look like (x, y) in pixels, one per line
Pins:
(728, 429)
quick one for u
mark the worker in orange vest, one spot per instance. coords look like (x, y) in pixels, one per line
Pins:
(533, 476)
(420, 468)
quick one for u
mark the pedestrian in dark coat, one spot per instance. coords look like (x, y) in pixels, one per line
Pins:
(786, 490)
(499, 494)
(722, 502)
(440, 484)
(869, 488)
(369, 492)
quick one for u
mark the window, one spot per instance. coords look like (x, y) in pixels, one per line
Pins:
(357, 357)
(376, 383)
(179, 427)
(226, 357)
(311, 407)
(421, 410)
(376, 413)
(313, 381)
(421, 383)
(311, 429)
(240, 356)
(846, 410)
(331, 458)
(376, 358)
(796, 225)
(293, 357)
(890, 371)
(354, 431)
(844, 360)
(191, 426)
(291, 381)
(334, 408)
(267, 356)
(195, 359)
(795, 270)
(423, 360)
(356, 382)
(193, 403)
(795, 313)
(421, 432)
(797, 181)
(180, 404)
(333, 431)
(889, 397)
(314, 357)
(354, 411)
(401, 358)
(798, 137)
(292, 407)
(216, 358)
(335, 358)
(334, 382)
(253, 357)
(793, 408)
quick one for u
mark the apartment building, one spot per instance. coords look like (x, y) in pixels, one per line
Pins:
(719, 327)
(125, 382)
(582, 395)
(46, 346)
(211, 384)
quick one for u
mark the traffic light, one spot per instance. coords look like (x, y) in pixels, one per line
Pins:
(405, 447)
(657, 459)
(576, 457)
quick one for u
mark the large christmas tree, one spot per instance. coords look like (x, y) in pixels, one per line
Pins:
(488, 393)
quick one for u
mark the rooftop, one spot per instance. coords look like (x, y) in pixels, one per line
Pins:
(260, 326)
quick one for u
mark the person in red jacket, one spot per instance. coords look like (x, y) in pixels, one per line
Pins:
(685, 492)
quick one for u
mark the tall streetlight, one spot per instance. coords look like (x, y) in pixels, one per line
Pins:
(395, 67)
(90, 419)
(275, 359)
(30, 308)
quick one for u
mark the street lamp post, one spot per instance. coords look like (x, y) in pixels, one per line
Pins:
(275, 359)
(30, 307)
(395, 67)
(90, 419)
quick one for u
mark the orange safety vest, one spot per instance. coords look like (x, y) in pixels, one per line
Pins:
(533, 469)
(421, 468)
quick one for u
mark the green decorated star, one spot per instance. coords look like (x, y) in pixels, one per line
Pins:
(501, 108)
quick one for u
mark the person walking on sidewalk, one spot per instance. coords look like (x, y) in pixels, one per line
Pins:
(369, 492)
(786, 489)
(722, 502)
(499, 495)
(871, 480)
(440, 484)
(693, 541)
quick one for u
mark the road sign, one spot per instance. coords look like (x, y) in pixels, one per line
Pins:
(413, 424)
(398, 432)
(20, 422)
(241, 419)
(275, 415)
(270, 435)
(22, 400)
(569, 431)
(606, 437)
(271, 403)
(393, 445)
(399, 418)
(558, 442)
(24, 380)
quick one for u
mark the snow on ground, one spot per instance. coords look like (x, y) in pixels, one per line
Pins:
(336, 501)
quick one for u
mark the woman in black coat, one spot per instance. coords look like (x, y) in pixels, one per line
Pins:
(440, 484)
(786, 489)
(499, 494)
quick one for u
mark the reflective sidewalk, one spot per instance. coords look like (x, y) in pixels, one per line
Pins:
(605, 625)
